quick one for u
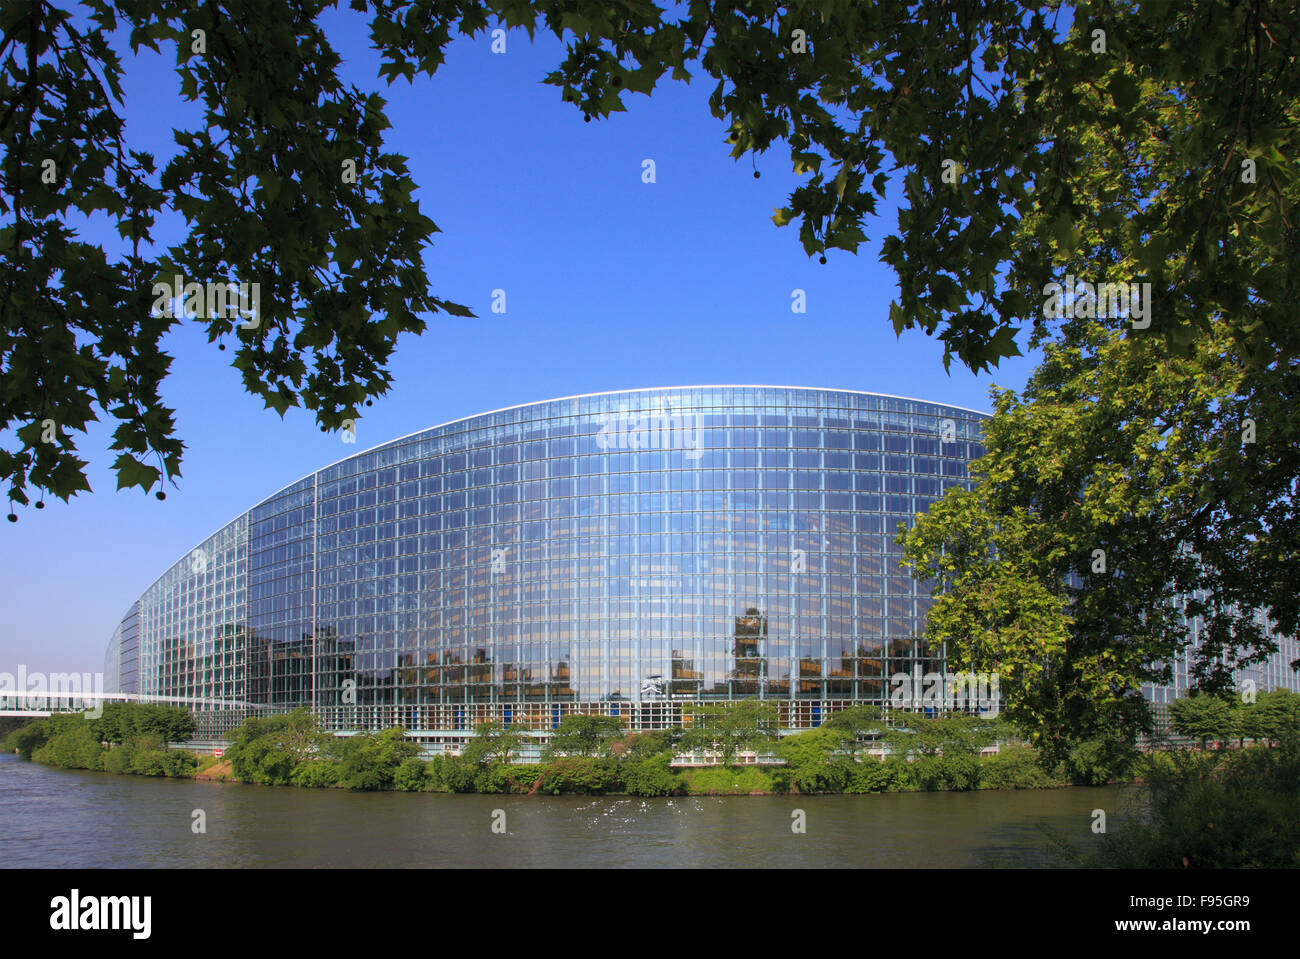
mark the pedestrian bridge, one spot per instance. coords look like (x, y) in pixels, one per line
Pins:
(38, 703)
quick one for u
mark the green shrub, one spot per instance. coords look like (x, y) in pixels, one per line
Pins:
(261, 761)
(74, 745)
(494, 778)
(117, 759)
(28, 738)
(369, 761)
(1015, 767)
(148, 762)
(647, 744)
(652, 776)
(580, 776)
(315, 774)
(871, 776)
(520, 779)
(728, 780)
(825, 777)
(181, 764)
(452, 774)
(1229, 810)
(411, 775)
(1095, 762)
(959, 772)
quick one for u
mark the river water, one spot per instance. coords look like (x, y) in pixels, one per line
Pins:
(55, 818)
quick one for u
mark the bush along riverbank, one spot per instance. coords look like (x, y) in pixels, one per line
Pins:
(595, 755)
(586, 755)
(1201, 808)
(127, 739)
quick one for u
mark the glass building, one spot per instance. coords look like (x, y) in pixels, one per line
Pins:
(623, 553)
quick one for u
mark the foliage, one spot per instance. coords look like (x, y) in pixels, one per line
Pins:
(1273, 716)
(266, 749)
(495, 743)
(1100, 760)
(581, 776)
(28, 737)
(261, 761)
(72, 744)
(894, 774)
(950, 734)
(646, 744)
(1115, 501)
(651, 776)
(369, 761)
(122, 721)
(1204, 717)
(315, 774)
(338, 262)
(412, 775)
(1016, 767)
(949, 771)
(861, 723)
(452, 774)
(1056, 154)
(149, 756)
(730, 727)
(582, 735)
(1233, 809)
(728, 781)
(817, 760)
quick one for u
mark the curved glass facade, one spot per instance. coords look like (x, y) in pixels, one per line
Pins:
(622, 552)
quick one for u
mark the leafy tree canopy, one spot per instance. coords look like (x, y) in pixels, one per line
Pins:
(731, 727)
(495, 743)
(1127, 491)
(582, 735)
(1151, 138)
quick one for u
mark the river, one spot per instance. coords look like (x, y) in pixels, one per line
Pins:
(56, 818)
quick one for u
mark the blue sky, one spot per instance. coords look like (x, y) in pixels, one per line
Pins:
(610, 283)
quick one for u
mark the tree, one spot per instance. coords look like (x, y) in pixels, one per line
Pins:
(858, 722)
(267, 749)
(1203, 717)
(1116, 502)
(370, 761)
(1273, 717)
(495, 743)
(582, 735)
(729, 727)
(1023, 144)
(949, 735)
(818, 759)
(648, 744)
(120, 722)
(301, 733)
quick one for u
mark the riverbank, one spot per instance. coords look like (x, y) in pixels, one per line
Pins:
(1013, 768)
(56, 818)
(583, 756)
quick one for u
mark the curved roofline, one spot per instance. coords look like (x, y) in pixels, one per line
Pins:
(581, 396)
(554, 399)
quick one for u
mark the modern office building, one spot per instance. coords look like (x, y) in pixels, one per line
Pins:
(624, 553)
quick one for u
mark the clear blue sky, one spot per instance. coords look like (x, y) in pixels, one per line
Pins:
(611, 284)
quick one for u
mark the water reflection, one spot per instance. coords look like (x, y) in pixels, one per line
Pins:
(58, 818)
